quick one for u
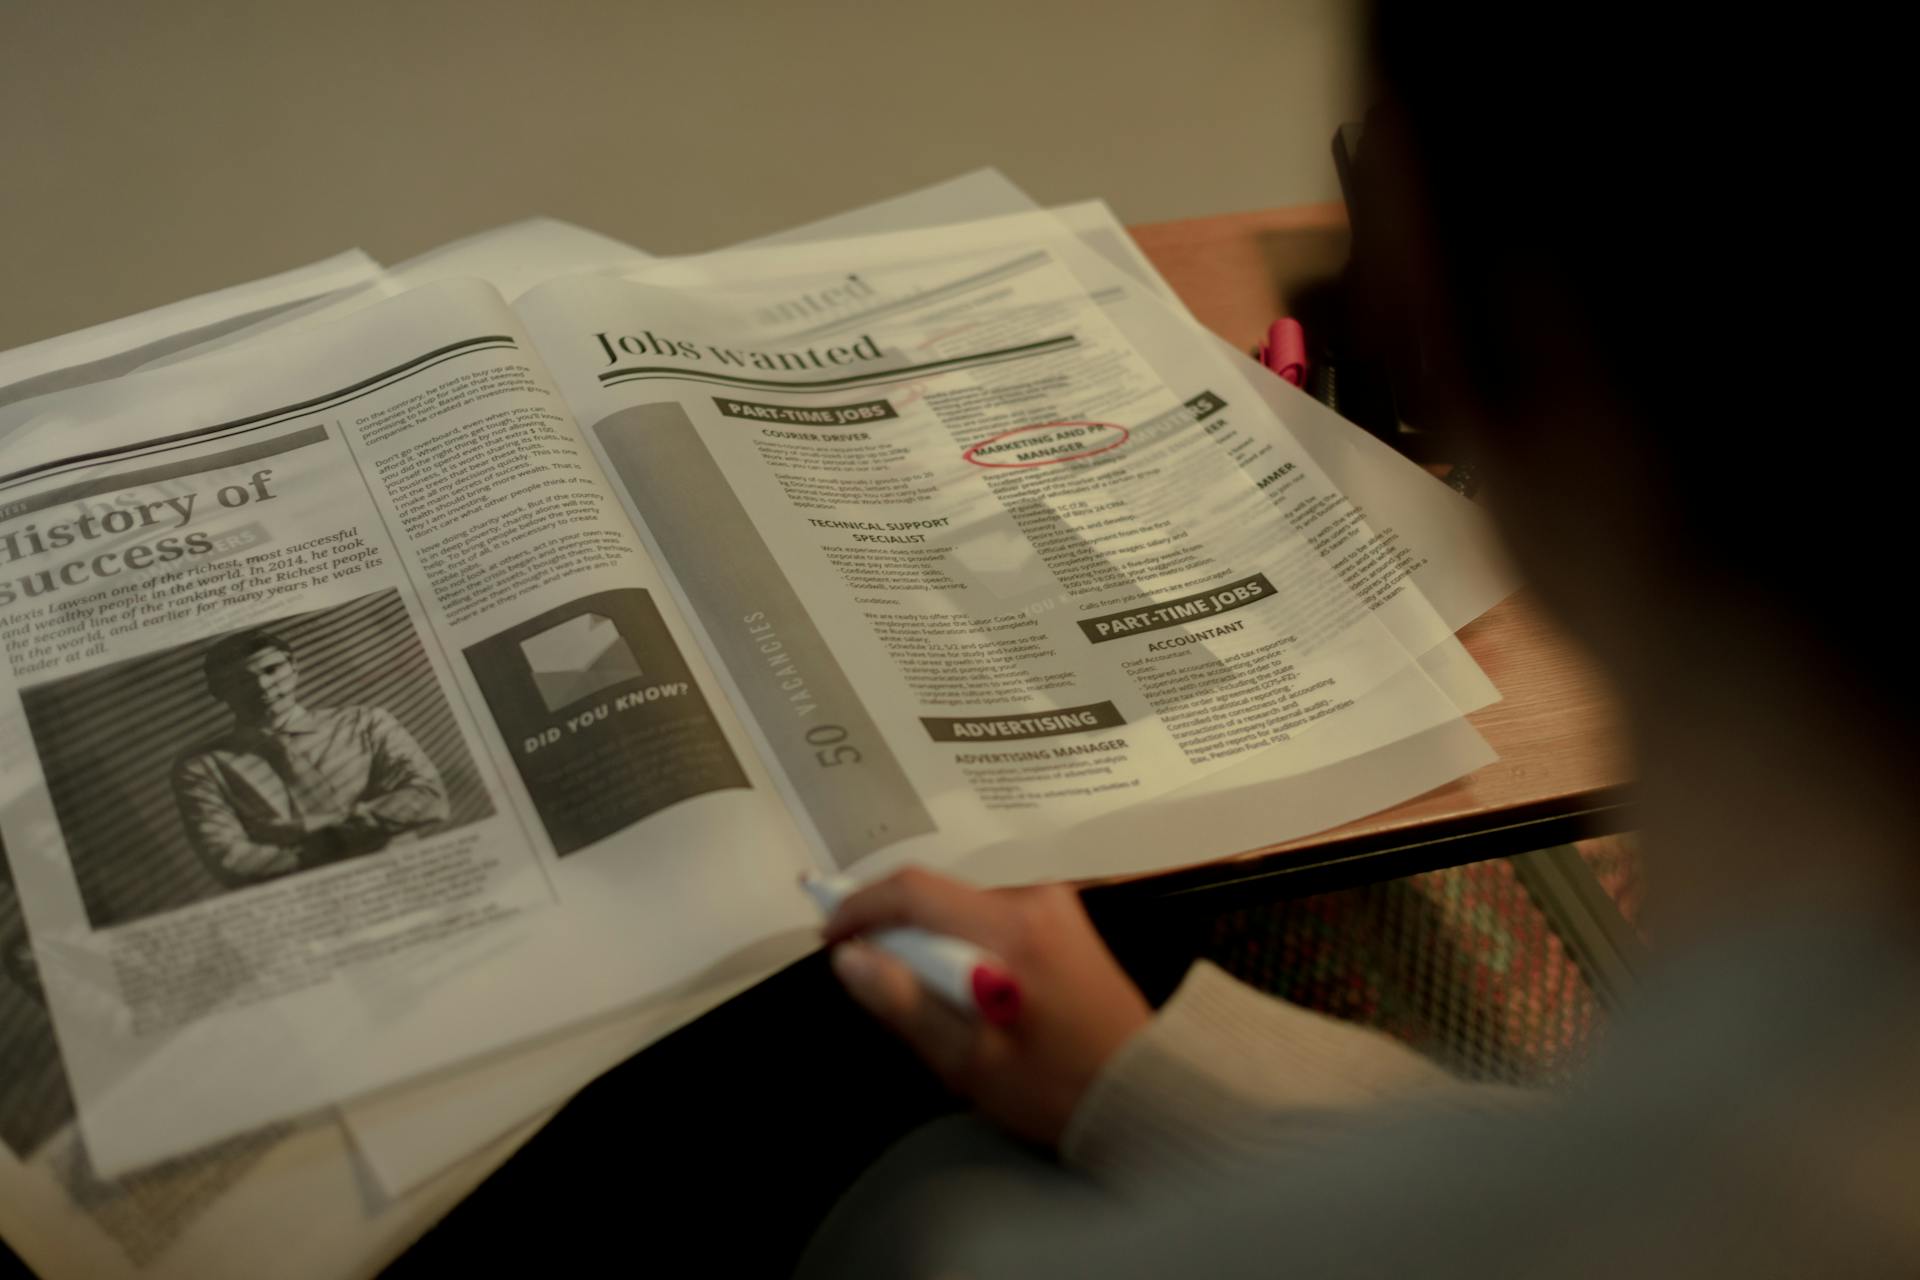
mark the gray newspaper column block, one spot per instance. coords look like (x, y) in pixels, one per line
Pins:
(839, 765)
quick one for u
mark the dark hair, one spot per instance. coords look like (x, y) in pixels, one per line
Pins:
(231, 653)
(1672, 201)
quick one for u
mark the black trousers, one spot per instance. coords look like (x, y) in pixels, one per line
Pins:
(723, 1146)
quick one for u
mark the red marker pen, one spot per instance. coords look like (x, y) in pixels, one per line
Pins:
(965, 976)
(1285, 350)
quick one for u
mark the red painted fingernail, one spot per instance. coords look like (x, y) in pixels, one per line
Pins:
(996, 995)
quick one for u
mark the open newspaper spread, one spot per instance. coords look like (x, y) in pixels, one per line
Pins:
(443, 676)
(409, 1133)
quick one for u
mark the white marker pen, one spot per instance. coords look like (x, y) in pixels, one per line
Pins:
(963, 975)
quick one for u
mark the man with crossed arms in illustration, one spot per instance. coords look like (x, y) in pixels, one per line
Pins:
(289, 788)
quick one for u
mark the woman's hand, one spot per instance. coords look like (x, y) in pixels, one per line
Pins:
(1077, 1007)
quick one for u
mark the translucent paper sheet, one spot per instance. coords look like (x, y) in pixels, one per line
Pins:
(33, 377)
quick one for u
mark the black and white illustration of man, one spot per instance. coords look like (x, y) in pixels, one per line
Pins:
(291, 787)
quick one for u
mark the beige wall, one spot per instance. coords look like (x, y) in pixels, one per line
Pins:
(150, 150)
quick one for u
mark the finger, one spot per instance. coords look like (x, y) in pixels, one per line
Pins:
(919, 897)
(883, 986)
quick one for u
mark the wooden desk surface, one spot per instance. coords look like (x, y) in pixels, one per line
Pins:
(1556, 726)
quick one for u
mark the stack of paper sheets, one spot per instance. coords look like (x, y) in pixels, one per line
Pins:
(601, 595)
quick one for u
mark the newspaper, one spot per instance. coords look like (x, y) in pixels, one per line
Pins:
(373, 715)
(1036, 531)
(410, 1133)
(296, 1200)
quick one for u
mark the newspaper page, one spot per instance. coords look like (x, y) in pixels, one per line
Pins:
(352, 733)
(979, 566)
(1375, 496)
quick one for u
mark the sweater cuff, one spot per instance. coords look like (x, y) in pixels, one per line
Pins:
(1223, 1073)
